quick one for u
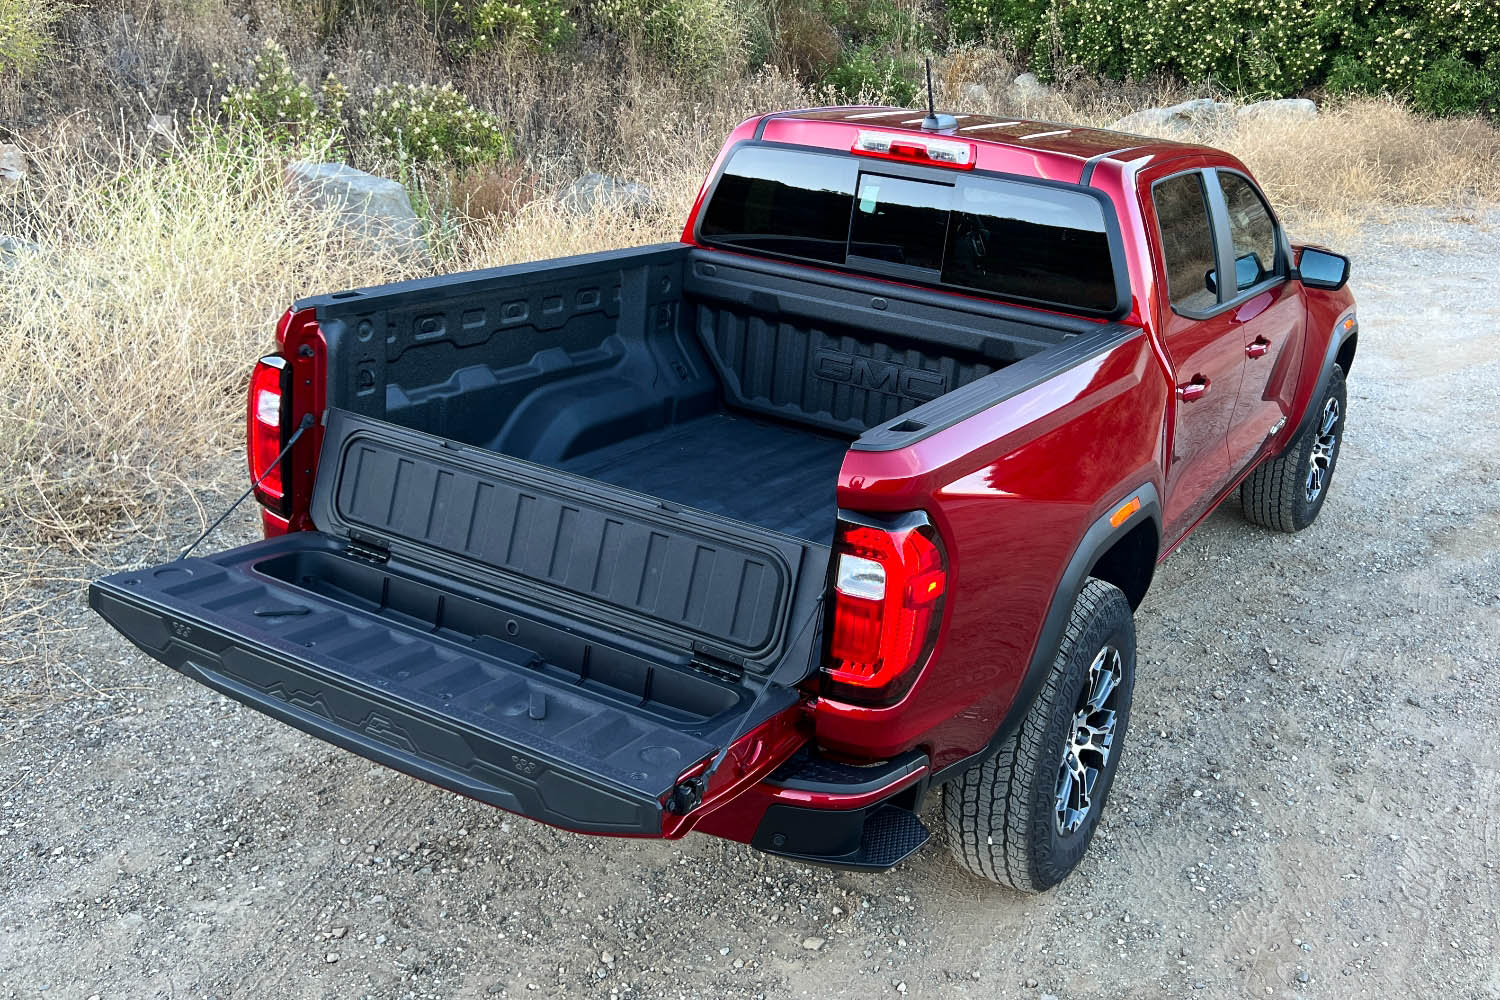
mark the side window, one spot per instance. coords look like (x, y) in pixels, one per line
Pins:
(1187, 241)
(1252, 230)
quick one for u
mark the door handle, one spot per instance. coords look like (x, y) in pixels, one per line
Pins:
(1258, 347)
(1194, 389)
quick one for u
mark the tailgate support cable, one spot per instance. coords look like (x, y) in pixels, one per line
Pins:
(307, 421)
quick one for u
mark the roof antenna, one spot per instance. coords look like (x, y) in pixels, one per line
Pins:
(935, 122)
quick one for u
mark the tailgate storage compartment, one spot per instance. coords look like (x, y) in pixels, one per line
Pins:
(547, 644)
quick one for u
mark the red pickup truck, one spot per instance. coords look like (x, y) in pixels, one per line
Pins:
(847, 496)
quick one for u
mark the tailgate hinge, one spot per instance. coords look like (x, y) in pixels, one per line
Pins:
(362, 546)
(725, 666)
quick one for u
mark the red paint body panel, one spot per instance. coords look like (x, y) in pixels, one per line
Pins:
(1012, 489)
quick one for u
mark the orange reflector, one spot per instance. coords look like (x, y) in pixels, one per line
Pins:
(1122, 515)
(1349, 323)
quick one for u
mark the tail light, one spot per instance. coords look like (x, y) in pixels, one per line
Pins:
(268, 426)
(889, 582)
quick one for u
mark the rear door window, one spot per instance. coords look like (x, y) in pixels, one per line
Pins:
(1187, 241)
(1252, 230)
(784, 202)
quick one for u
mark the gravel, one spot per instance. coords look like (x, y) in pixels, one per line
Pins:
(1309, 806)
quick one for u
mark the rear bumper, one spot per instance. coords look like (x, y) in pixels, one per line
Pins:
(826, 812)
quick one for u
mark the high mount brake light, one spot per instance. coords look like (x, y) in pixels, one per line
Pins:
(916, 149)
(889, 584)
(267, 428)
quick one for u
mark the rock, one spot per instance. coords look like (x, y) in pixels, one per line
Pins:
(812, 943)
(1290, 107)
(1302, 976)
(375, 209)
(12, 164)
(331, 957)
(14, 249)
(338, 932)
(974, 93)
(1177, 118)
(596, 192)
(1028, 88)
(162, 125)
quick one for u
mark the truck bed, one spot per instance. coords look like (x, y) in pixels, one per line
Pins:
(775, 475)
(718, 382)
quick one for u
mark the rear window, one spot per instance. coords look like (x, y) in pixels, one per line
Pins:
(783, 202)
(1011, 239)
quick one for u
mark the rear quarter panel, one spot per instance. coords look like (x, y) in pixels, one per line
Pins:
(1012, 489)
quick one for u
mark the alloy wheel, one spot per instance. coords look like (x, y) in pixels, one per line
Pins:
(1089, 743)
(1325, 446)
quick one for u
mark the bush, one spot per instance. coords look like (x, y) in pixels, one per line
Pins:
(698, 39)
(1455, 87)
(423, 124)
(283, 109)
(26, 33)
(540, 25)
(1437, 52)
(868, 74)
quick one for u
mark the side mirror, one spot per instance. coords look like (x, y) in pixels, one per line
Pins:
(1321, 269)
(1248, 270)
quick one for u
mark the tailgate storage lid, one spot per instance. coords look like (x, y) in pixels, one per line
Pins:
(742, 596)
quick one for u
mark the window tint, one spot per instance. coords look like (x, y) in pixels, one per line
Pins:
(1187, 241)
(1252, 230)
(1030, 242)
(783, 202)
(1011, 239)
(900, 221)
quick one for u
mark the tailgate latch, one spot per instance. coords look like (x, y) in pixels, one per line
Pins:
(687, 796)
(361, 546)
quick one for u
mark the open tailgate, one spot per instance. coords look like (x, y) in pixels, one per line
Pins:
(538, 641)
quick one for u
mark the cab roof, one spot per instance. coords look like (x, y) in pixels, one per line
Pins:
(1050, 139)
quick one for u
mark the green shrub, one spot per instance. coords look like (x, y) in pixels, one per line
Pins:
(281, 107)
(698, 39)
(540, 25)
(26, 33)
(425, 124)
(1437, 52)
(869, 74)
(1452, 86)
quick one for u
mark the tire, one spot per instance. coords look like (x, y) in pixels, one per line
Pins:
(1286, 492)
(1003, 819)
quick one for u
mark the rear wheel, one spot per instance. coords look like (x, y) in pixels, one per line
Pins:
(1024, 818)
(1286, 492)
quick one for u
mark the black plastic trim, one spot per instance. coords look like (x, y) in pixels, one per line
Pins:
(807, 771)
(979, 395)
(1330, 358)
(1096, 541)
(874, 838)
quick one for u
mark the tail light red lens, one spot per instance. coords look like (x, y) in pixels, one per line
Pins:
(268, 424)
(889, 583)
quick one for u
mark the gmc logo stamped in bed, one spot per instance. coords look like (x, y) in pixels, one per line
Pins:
(880, 376)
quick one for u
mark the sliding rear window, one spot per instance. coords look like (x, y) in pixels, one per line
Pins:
(1041, 244)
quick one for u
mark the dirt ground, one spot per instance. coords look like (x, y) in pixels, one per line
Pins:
(1307, 808)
